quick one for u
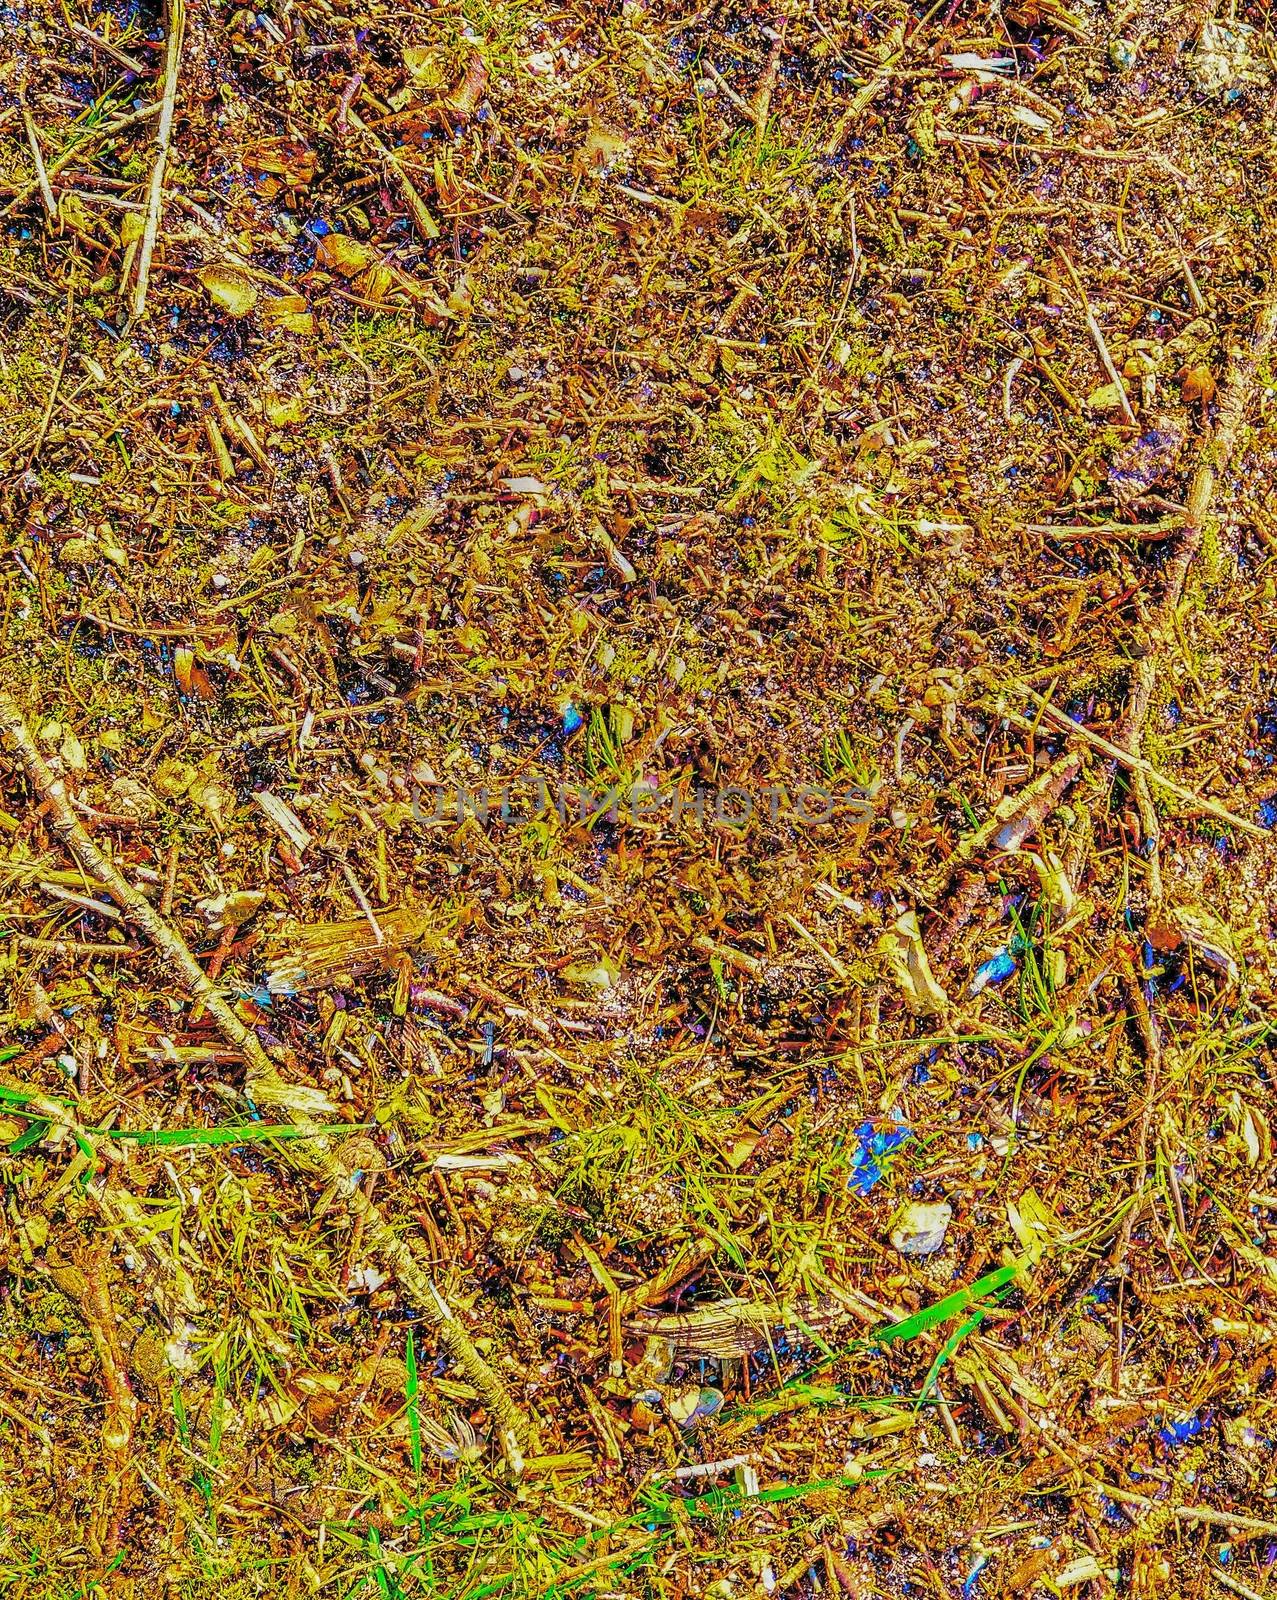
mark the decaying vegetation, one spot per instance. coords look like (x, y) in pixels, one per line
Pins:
(664, 1198)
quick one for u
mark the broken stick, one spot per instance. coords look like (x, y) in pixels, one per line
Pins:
(163, 139)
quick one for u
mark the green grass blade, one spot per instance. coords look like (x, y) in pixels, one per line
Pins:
(414, 1410)
(946, 1350)
(179, 1138)
(951, 1306)
(21, 1097)
(29, 1136)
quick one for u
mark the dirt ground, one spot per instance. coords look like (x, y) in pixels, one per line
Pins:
(637, 800)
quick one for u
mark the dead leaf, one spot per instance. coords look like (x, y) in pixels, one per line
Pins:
(191, 678)
(230, 288)
(72, 752)
(1198, 383)
(282, 410)
(906, 962)
(424, 65)
(289, 160)
(288, 311)
(603, 147)
(466, 98)
(345, 255)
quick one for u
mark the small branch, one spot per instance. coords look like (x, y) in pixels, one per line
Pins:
(1142, 532)
(1133, 763)
(108, 49)
(425, 223)
(1235, 394)
(90, 138)
(92, 1293)
(1225, 1519)
(1215, 453)
(263, 1080)
(742, 105)
(85, 902)
(76, 947)
(55, 387)
(867, 94)
(1235, 1585)
(1194, 292)
(41, 174)
(1093, 327)
(362, 900)
(163, 139)
(761, 107)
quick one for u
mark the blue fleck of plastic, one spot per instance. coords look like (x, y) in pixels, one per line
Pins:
(1177, 1433)
(995, 970)
(973, 1577)
(572, 719)
(872, 1145)
(1268, 812)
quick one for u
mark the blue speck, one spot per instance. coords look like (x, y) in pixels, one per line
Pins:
(572, 719)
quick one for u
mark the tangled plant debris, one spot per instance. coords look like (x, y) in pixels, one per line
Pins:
(818, 1140)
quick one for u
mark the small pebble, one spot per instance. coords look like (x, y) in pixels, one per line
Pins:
(221, 581)
(921, 1227)
(1122, 54)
